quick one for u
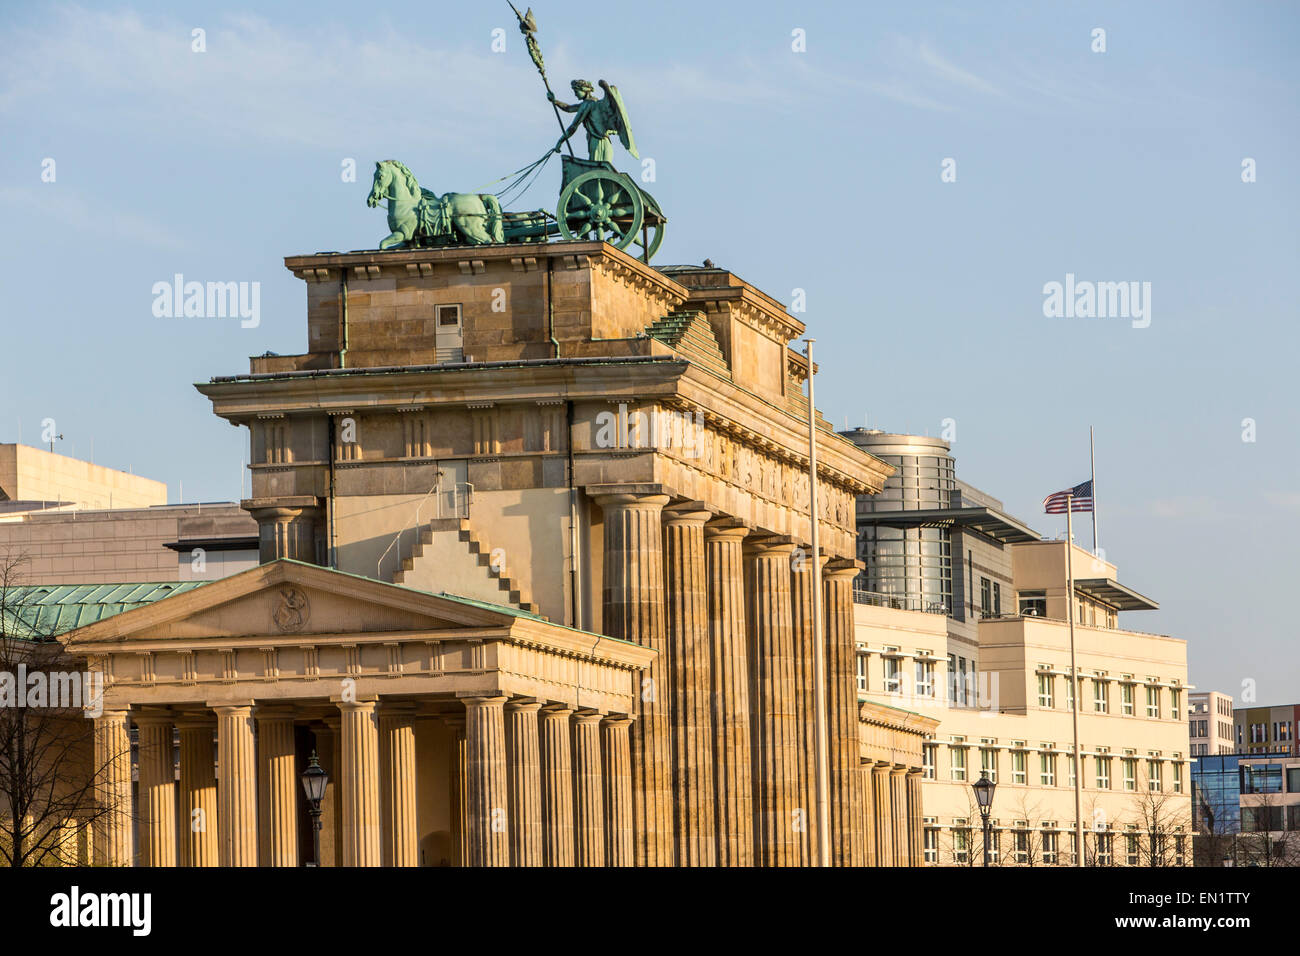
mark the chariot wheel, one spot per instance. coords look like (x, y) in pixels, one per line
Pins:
(601, 205)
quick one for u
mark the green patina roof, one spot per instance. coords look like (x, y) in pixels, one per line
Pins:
(48, 610)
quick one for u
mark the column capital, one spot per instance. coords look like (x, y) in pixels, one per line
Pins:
(556, 710)
(524, 704)
(483, 700)
(629, 494)
(588, 717)
(724, 528)
(842, 568)
(233, 710)
(617, 720)
(687, 513)
(770, 544)
(366, 706)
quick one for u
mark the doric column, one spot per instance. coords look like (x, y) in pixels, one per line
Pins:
(236, 785)
(898, 813)
(729, 672)
(633, 610)
(458, 779)
(198, 804)
(360, 732)
(287, 527)
(329, 753)
(867, 817)
(588, 791)
(616, 765)
(485, 764)
(524, 780)
(401, 836)
(774, 728)
(157, 794)
(278, 783)
(880, 798)
(915, 839)
(802, 627)
(687, 615)
(113, 790)
(557, 786)
(842, 714)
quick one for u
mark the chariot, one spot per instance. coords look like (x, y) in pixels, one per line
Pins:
(596, 202)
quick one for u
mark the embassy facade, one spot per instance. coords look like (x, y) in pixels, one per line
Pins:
(515, 635)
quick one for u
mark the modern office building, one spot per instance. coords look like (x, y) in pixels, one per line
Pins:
(1267, 729)
(1246, 809)
(1210, 723)
(992, 667)
(33, 479)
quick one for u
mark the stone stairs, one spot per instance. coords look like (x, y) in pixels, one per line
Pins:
(688, 331)
(449, 556)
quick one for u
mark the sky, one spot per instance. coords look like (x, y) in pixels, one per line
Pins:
(804, 146)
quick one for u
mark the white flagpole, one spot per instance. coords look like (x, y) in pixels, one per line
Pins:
(1092, 455)
(819, 640)
(1074, 680)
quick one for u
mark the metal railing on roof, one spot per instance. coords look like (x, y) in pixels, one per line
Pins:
(899, 602)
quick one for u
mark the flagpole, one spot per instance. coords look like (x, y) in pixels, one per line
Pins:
(1074, 680)
(823, 787)
(1092, 456)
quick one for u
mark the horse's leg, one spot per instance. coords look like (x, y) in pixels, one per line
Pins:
(402, 220)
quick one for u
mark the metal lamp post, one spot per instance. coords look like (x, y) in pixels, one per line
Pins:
(984, 788)
(314, 779)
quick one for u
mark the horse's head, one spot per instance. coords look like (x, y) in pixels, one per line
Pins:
(379, 188)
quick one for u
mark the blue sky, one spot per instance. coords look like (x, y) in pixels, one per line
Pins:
(818, 170)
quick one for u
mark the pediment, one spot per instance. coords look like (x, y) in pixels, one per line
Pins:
(286, 600)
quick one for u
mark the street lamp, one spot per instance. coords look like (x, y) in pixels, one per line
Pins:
(314, 779)
(984, 788)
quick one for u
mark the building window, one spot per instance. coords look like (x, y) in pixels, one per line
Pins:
(893, 676)
(1130, 773)
(1282, 732)
(1046, 698)
(1126, 699)
(1154, 783)
(931, 845)
(1047, 770)
(960, 845)
(1180, 851)
(958, 755)
(989, 763)
(995, 844)
(1100, 696)
(1153, 701)
(1033, 604)
(1261, 778)
(1021, 844)
(1293, 779)
(1105, 844)
(1176, 771)
(1018, 773)
(1069, 692)
(997, 599)
(1103, 773)
(1049, 846)
(1174, 703)
(986, 597)
(1259, 733)
(963, 689)
(1131, 849)
(927, 760)
(924, 678)
(862, 672)
(952, 678)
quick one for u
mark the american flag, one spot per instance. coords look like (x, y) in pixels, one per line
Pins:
(1081, 499)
